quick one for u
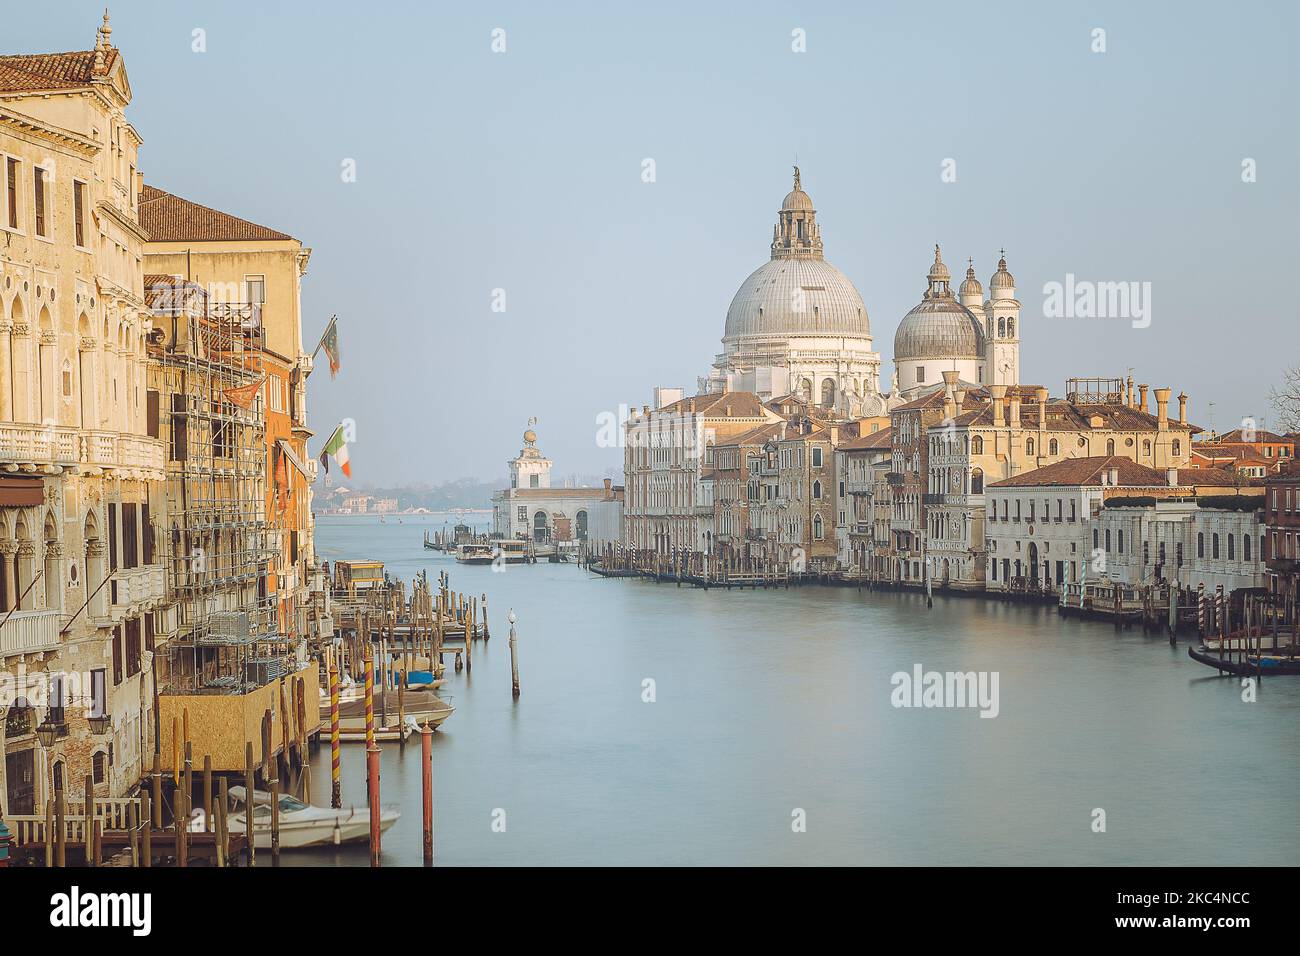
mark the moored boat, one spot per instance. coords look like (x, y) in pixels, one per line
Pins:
(1251, 665)
(304, 825)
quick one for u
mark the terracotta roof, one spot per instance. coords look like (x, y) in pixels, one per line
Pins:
(1086, 471)
(754, 436)
(169, 218)
(1063, 415)
(1216, 477)
(715, 405)
(881, 439)
(1236, 435)
(51, 71)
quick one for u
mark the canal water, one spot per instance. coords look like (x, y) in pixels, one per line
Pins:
(774, 707)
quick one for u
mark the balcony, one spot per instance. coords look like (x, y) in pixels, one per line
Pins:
(29, 632)
(28, 447)
(115, 450)
(134, 589)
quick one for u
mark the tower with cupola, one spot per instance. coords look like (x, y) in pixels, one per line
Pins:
(1002, 326)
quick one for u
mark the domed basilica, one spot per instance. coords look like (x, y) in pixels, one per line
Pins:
(798, 326)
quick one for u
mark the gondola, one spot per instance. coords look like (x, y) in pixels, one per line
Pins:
(1252, 666)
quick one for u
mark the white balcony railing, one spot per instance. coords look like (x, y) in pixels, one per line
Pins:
(137, 587)
(29, 632)
(35, 445)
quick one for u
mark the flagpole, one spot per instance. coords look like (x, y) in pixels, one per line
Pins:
(333, 319)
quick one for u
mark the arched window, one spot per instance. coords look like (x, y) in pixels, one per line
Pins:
(1146, 450)
(977, 481)
(1214, 545)
(1107, 546)
(1011, 333)
(1178, 450)
(99, 765)
(1029, 450)
(1232, 547)
(818, 532)
(976, 448)
(1110, 446)
(1245, 554)
(817, 494)
(581, 528)
(828, 393)
(1200, 544)
(1053, 448)
(1002, 330)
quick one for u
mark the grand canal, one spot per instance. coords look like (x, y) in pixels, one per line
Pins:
(775, 701)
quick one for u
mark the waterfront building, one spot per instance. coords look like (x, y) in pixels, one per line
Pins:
(81, 578)
(1250, 447)
(252, 274)
(997, 432)
(1211, 540)
(532, 509)
(667, 451)
(797, 325)
(803, 509)
(863, 501)
(739, 535)
(1282, 531)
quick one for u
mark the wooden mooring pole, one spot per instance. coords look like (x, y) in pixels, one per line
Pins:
(372, 787)
(514, 655)
(426, 767)
(336, 787)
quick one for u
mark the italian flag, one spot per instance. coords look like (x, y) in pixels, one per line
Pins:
(337, 449)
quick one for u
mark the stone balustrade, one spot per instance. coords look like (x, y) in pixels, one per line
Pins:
(29, 632)
(28, 446)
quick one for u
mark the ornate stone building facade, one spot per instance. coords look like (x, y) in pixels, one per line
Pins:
(79, 472)
(798, 325)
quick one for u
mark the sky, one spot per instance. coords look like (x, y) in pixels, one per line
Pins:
(522, 171)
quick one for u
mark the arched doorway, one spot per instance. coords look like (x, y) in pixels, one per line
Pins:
(580, 530)
(539, 526)
(1033, 563)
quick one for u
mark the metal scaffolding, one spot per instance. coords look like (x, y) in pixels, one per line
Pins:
(227, 637)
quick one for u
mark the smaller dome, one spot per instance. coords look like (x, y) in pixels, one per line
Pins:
(530, 437)
(972, 285)
(797, 200)
(1002, 279)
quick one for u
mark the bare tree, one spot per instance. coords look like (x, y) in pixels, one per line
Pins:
(1286, 400)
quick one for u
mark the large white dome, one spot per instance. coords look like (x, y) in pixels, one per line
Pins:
(797, 297)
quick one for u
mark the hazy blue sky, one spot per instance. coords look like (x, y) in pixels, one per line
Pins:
(522, 171)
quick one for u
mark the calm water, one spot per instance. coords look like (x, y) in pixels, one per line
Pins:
(777, 700)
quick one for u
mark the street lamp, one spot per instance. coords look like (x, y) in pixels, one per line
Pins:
(98, 724)
(47, 733)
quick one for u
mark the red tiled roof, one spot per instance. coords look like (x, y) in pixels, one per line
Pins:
(50, 71)
(169, 218)
(716, 405)
(1086, 471)
(1237, 435)
(879, 439)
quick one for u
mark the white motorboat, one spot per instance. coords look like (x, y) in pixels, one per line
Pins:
(303, 825)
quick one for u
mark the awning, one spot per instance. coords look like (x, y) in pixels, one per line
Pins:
(21, 492)
(293, 458)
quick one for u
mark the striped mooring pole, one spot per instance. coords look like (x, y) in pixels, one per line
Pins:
(336, 791)
(1200, 609)
(370, 697)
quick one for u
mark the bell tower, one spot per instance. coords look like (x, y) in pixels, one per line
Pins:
(530, 469)
(1002, 321)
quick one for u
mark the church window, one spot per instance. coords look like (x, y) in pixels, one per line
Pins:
(817, 491)
(1214, 545)
(977, 482)
(1002, 327)
(1054, 447)
(1029, 447)
(1110, 446)
(977, 445)
(1200, 544)
(1011, 328)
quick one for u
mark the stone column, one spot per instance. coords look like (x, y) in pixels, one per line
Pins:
(86, 380)
(6, 374)
(26, 561)
(53, 576)
(95, 571)
(8, 568)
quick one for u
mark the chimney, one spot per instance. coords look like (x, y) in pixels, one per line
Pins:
(959, 399)
(645, 410)
(1013, 408)
(998, 395)
(1114, 477)
(1182, 408)
(1162, 407)
(726, 411)
(1041, 394)
(949, 383)
(690, 407)
(1171, 476)
(1142, 397)
(835, 440)
(1130, 391)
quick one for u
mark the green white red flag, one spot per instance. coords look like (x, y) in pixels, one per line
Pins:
(336, 448)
